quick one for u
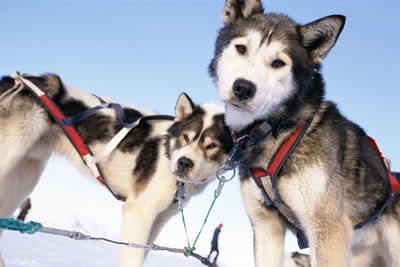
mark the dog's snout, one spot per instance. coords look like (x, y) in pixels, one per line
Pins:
(243, 89)
(185, 163)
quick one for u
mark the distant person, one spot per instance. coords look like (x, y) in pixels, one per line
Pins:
(214, 244)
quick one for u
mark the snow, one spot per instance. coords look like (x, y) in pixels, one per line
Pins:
(77, 204)
(66, 200)
(41, 250)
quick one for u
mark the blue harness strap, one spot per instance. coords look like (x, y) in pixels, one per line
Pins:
(67, 125)
(82, 115)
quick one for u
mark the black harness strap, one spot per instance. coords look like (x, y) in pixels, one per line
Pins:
(279, 159)
(274, 167)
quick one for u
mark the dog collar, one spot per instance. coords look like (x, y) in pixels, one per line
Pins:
(257, 132)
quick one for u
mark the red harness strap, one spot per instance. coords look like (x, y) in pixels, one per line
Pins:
(394, 184)
(279, 160)
(69, 131)
(286, 148)
(75, 139)
(280, 157)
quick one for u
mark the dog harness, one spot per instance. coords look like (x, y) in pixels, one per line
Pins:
(260, 175)
(67, 125)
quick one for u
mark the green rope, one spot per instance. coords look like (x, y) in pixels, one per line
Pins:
(25, 228)
(192, 248)
(184, 225)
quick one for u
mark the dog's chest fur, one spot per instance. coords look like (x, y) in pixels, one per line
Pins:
(324, 167)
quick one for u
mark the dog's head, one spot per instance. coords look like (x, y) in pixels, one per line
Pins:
(262, 60)
(198, 142)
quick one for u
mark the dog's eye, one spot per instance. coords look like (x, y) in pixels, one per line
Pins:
(277, 63)
(241, 49)
(211, 145)
(185, 138)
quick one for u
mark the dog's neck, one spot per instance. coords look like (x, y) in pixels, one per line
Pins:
(294, 111)
(193, 189)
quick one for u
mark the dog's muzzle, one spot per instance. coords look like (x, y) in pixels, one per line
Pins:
(243, 89)
(184, 165)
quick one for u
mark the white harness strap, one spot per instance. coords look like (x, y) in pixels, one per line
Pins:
(18, 77)
(89, 159)
(85, 153)
(113, 143)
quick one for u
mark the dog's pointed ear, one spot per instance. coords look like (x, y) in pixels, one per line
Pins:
(236, 10)
(321, 35)
(184, 107)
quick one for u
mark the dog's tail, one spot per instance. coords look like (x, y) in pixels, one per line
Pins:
(49, 83)
(10, 88)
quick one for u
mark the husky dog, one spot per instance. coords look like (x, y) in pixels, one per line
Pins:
(267, 69)
(142, 168)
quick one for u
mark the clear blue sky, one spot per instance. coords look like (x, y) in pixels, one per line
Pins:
(145, 53)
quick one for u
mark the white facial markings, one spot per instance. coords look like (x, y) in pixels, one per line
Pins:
(203, 168)
(232, 65)
(273, 84)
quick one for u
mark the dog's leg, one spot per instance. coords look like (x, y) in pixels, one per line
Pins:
(330, 242)
(390, 235)
(268, 228)
(160, 222)
(363, 257)
(137, 222)
(268, 239)
(18, 184)
(19, 134)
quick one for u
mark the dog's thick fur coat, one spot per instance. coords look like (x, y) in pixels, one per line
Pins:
(267, 67)
(139, 169)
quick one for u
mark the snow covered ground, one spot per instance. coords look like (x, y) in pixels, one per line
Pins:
(64, 199)
(42, 250)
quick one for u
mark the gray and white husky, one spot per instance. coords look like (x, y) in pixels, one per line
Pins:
(267, 68)
(142, 169)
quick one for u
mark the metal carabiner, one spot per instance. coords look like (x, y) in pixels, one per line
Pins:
(224, 169)
(222, 180)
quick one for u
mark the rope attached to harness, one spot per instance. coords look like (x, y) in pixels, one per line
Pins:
(34, 227)
(14, 225)
(192, 248)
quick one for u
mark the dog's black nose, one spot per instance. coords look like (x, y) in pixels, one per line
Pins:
(184, 163)
(243, 89)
